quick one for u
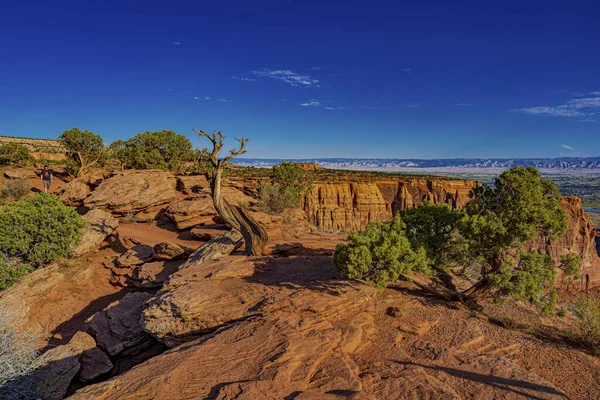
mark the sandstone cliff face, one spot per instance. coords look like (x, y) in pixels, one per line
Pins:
(342, 207)
(580, 239)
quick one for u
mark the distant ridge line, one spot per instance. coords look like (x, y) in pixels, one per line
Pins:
(562, 163)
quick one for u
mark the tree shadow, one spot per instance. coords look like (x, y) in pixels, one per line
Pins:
(512, 385)
(77, 322)
(294, 266)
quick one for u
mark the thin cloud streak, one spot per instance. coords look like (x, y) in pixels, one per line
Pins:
(288, 76)
(564, 146)
(577, 107)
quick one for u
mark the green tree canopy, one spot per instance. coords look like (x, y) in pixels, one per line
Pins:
(84, 148)
(500, 220)
(165, 150)
(433, 227)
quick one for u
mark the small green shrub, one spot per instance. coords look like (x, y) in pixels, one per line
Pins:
(288, 183)
(19, 358)
(275, 199)
(15, 189)
(10, 273)
(379, 254)
(14, 154)
(588, 332)
(39, 229)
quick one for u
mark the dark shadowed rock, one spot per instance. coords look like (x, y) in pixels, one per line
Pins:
(117, 328)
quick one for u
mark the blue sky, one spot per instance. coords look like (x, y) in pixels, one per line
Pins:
(426, 79)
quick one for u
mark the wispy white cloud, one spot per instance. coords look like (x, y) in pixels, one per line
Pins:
(577, 107)
(311, 103)
(564, 146)
(222, 100)
(407, 70)
(587, 120)
(177, 43)
(243, 79)
(288, 76)
(315, 68)
(370, 108)
(464, 104)
(557, 111)
(196, 98)
(206, 98)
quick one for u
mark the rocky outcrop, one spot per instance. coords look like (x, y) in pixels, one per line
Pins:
(117, 328)
(133, 191)
(100, 225)
(170, 251)
(343, 207)
(75, 192)
(312, 337)
(192, 183)
(580, 239)
(191, 212)
(80, 357)
(20, 173)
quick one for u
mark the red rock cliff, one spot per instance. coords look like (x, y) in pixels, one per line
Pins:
(580, 239)
(347, 206)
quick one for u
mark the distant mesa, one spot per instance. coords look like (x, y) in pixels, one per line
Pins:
(41, 149)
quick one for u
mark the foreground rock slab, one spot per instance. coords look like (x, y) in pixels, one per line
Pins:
(133, 191)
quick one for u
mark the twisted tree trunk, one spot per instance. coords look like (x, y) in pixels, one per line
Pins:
(254, 234)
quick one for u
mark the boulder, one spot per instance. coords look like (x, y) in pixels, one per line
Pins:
(75, 192)
(100, 225)
(94, 363)
(153, 274)
(192, 183)
(169, 251)
(62, 365)
(20, 173)
(191, 212)
(117, 328)
(137, 255)
(133, 191)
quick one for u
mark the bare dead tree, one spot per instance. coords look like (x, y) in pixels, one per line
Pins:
(254, 234)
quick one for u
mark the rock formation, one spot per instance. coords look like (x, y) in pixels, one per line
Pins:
(580, 239)
(133, 191)
(343, 207)
(100, 225)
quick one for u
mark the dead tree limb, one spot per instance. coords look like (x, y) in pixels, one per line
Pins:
(254, 234)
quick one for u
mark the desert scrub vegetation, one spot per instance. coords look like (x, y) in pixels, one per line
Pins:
(11, 271)
(588, 330)
(39, 229)
(488, 237)
(14, 154)
(380, 254)
(19, 358)
(15, 189)
(288, 182)
(164, 150)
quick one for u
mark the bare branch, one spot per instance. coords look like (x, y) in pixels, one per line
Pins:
(234, 152)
